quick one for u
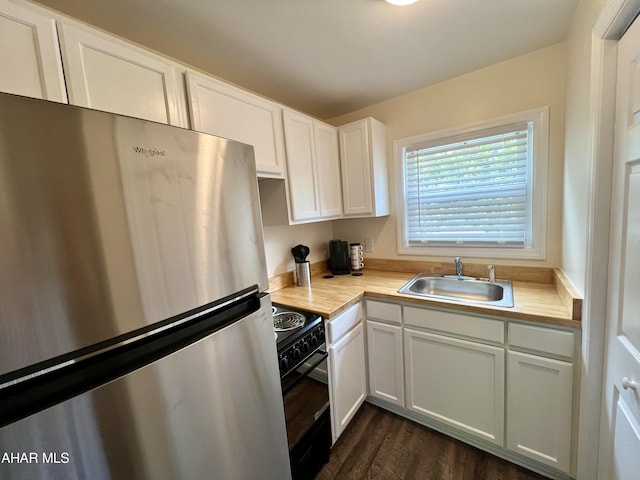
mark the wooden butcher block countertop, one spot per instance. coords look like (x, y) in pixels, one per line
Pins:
(552, 302)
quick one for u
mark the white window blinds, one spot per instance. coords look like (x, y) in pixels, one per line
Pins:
(474, 190)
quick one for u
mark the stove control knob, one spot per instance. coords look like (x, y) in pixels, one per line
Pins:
(284, 363)
(305, 347)
(296, 353)
(314, 340)
(321, 334)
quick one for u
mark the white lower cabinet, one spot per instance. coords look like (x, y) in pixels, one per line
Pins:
(484, 380)
(539, 400)
(346, 365)
(456, 382)
(386, 372)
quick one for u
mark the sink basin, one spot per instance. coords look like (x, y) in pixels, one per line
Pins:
(461, 289)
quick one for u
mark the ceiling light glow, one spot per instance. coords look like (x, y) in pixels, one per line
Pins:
(401, 3)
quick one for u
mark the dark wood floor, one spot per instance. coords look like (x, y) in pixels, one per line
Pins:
(381, 445)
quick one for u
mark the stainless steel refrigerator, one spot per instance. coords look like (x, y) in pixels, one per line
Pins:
(136, 337)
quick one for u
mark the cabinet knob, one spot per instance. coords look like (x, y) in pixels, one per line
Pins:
(629, 384)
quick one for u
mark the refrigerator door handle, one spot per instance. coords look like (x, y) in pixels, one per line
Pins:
(38, 392)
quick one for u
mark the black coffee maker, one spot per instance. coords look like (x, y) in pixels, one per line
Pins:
(339, 257)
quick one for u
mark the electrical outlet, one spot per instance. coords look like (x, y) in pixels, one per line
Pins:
(368, 244)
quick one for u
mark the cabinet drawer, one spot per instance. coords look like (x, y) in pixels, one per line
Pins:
(337, 327)
(540, 339)
(455, 324)
(386, 312)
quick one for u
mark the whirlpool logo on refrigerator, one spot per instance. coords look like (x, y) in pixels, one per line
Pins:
(149, 152)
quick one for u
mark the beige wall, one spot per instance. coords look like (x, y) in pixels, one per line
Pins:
(530, 81)
(578, 138)
(278, 241)
(279, 237)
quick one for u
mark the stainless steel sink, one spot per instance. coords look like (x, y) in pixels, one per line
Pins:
(461, 289)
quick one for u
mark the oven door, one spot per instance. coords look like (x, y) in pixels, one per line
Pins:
(307, 415)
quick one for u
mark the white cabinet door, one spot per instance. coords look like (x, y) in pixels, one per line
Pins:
(356, 170)
(539, 399)
(456, 382)
(347, 378)
(301, 169)
(107, 74)
(30, 59)
(386, 372)
(363, 160)
(328, 169)
(313, 167)
(226, 111)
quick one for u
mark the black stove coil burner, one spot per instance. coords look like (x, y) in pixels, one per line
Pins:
(286, 321)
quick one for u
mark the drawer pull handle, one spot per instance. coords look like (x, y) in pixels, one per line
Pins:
(629, 384)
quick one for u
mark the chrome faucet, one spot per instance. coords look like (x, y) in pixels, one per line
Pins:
(458, 262)
(492, 273)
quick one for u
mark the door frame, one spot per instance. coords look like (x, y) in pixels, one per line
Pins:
(613, 20)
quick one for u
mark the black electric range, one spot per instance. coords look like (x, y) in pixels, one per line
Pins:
(302, 356)
(299, 335)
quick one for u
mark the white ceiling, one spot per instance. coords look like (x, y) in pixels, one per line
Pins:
(329, 57)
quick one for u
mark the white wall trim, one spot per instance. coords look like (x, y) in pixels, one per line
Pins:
(537, 250)
(614, 18)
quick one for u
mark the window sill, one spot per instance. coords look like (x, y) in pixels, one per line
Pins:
(475, 252)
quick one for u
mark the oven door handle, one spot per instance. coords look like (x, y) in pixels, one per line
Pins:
(322, 358)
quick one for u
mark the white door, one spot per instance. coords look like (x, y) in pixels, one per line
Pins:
(620, 435)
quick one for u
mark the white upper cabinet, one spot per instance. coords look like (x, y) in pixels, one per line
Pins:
(29, 55)
(328, 169)
(301, 167)
(313, 168)
(220, 109)
(363, 159)
(105, 73)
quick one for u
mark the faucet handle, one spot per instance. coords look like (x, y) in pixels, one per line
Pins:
(492, 273)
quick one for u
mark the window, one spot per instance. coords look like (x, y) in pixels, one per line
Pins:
(481, 188)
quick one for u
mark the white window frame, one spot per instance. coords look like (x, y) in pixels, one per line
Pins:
(537, 245)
